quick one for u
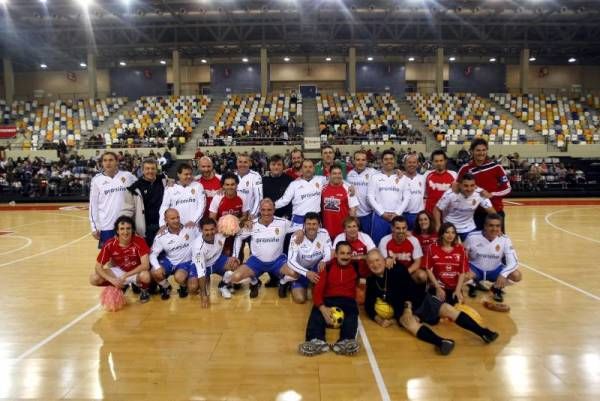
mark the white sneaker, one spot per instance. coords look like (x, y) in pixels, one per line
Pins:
(227, 276)
(225, 293)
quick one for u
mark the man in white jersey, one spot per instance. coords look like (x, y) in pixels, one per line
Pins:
(388, 195)
(304, 193)
(266, 244)
(416, 185)
(250, 187)
(176, 243)
(459, 208)
(186, 196)
(308, 257)
(107, 196)
(208, 256)
(487, 250)
(359, 179)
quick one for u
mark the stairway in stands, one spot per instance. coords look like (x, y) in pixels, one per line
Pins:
(208, 119)
(311, 125)
(407, 110)
(516, 123)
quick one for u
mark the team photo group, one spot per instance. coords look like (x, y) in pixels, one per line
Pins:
(407, 246)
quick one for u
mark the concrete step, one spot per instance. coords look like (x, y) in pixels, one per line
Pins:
(208, 119)
(516, 123)
(430, 141)
(310, 117)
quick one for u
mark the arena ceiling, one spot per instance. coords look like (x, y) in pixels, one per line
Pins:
(60, 32)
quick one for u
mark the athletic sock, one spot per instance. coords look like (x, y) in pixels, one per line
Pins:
(466, 322)
(164, 283)
(427, 335)
(286, 279)
(253, 281)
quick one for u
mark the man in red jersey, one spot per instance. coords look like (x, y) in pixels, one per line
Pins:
(337, 203)
(295, 171)
(209, 180)
(398, 247)
(228, 202)
(123, 260)
(490, 176)
(360, 242)
(438, 180)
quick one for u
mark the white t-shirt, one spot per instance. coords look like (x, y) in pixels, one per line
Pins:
(388, 193)
(266, 242)
(177, 247)
(459, 210)
(107, 196)
(360, 182)
(304, 195)
(416, 186)
(305, 256)
(250, 189)
(189, 202)
(205, 254)
(487, 255)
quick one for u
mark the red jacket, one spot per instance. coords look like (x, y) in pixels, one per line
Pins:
(491, 177)
(335, 281)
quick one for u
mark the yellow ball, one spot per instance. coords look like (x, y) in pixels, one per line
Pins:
(473, 314)
(383, 309)
(337, 315)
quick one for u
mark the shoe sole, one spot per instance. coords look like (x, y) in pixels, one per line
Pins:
(446, 348)
(490, 339)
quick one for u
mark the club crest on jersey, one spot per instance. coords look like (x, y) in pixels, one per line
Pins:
(193, 191)
(397, 180)
(186, 237)
(220, 243)
(247, 183)
(318, 245)
(420, 184)
(366, 177)
(317, 184)
(497, 247)
(123, 180)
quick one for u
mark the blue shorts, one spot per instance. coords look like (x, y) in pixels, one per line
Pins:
(365, 223)
(491, 275)
(463, 236)
(411, 218)
(105, 236)
(218, 267)
(379, 228)
(303, 281)
(188, 266)
(259, 267)
(297, 220)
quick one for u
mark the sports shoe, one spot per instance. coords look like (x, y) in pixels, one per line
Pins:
(165, 292)
(490, 336)
(182, 291)
(124, 288)
(136, 290)
(345, 347)
(144, 296)
(446, 346)
(472, 290)
(283, 289)
(273, 281)
(253, 289)
(227, 276)
(313, 347)
(225, 293)
(498, 294)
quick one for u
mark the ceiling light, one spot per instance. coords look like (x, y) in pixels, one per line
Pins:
(452, 58)
(85, 3)
(411, 59)
(532, 58)
(327, 58)
(572, 60)
(44, 66)
(245, 59)
(286, 59)
(493, 60)
(163, 62)
(369, 58)
(203, 61)
(122, 63)
(82, 65)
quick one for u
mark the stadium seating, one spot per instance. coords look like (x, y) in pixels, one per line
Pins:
(59, 120)
(558, 118)
(169, 115)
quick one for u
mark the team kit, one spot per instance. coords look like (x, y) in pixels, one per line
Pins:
(409, 247)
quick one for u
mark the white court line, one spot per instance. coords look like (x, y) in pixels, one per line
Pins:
(551, 277)
(45, 221)
(547, 219)
(57, 333)
(513, 203)
(35, 255)
(28, 243)
(385, 396)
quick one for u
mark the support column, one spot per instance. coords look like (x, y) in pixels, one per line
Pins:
(92, 76)
(264, 72)
(439, 70)
(352, 70)
(524, 72)
(9, 80)
(176, 73)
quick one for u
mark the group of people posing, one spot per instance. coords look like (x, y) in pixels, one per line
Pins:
(416, 239)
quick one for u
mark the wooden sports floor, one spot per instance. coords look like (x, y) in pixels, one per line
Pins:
(56, 343)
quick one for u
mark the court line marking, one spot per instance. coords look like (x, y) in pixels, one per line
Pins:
(383, 391)
(547, 220)
(45, 221)
(57, 333)
(513, 203)
(551, 277)
(28, 243)
(46, 251)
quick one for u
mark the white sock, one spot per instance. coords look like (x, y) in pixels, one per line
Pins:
(164, 283)
(227, 276)
(286, 279)
(253, 281)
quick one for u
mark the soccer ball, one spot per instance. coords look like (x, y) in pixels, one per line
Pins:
(337, 315)
(383, 309)
(228, 225)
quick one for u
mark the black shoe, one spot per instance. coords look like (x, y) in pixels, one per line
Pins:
(237, 286)
(472, 290)
(283, 289)
(254, 289)
(182, 291)
(446, 346)
(497, 294)
(153, 288)
(165, 292)
(490, 336)
(144, 296)
(273, 281)
(136, 290)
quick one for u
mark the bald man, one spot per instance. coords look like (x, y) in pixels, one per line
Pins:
(210, 180)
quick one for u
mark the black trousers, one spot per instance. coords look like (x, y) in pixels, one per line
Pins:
(316, 322)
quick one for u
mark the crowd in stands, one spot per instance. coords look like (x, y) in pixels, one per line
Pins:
(364, 117)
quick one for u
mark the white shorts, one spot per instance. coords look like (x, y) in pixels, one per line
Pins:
(118, 272)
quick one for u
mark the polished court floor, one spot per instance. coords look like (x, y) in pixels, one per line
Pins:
(56, 343)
